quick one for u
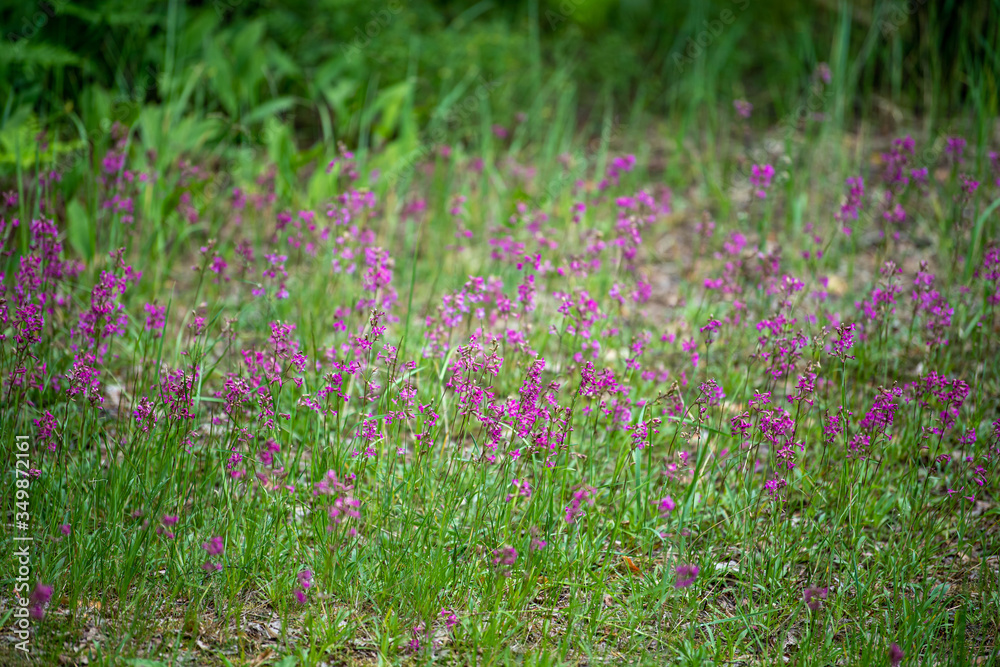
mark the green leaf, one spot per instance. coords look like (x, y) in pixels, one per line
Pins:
(80, 233)
(268, 109)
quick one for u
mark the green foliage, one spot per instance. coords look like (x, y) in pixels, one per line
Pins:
(320, 65)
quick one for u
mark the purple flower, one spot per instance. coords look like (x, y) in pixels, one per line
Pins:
(823, 73)
(895, 654)
(65, 529)
(505, 556)
(743, 108)
(665, 506)
(584, 494)
(214, 547)
(686, 575)
(969, 186)
(812, 596)
(852, 205)
(845, 342)
(417, 630)
(760, 178)
(39, 599)
(955, 147)
(450, 620)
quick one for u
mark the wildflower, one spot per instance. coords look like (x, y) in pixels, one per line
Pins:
(686, 575)
(812, 596)
(665, 506)
(711, 394)
(504, 557)
(845, 342)
(850, 208)
(523, 488)
(896, 161)
(214, 547)
(954, 148)
(155, 317)
(65, 529)
(969, 186)
(584, 494)
(416, 631)
(167, 521)
(760, 178)
(345, 505)
(537, 544)
(712, 326)
(450, 620)
(38, 600)
(743, 108)
(304, 579)
(823, 73)
(895, 654)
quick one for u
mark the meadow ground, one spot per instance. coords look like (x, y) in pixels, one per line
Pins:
(642, 398)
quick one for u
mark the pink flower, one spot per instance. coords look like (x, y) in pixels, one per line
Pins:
(665, 506)
(39, 599)
(450, 620)
(812, 596)
(760, 178)
(686, 575)
(155, 317)
(504, 558)
(895, 654)
(65, 529)
(214, 547)
(823, 73)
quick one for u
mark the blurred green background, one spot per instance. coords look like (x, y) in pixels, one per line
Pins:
(369, 73)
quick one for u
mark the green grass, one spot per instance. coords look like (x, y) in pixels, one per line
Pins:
(903, 557)
(903, 561)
